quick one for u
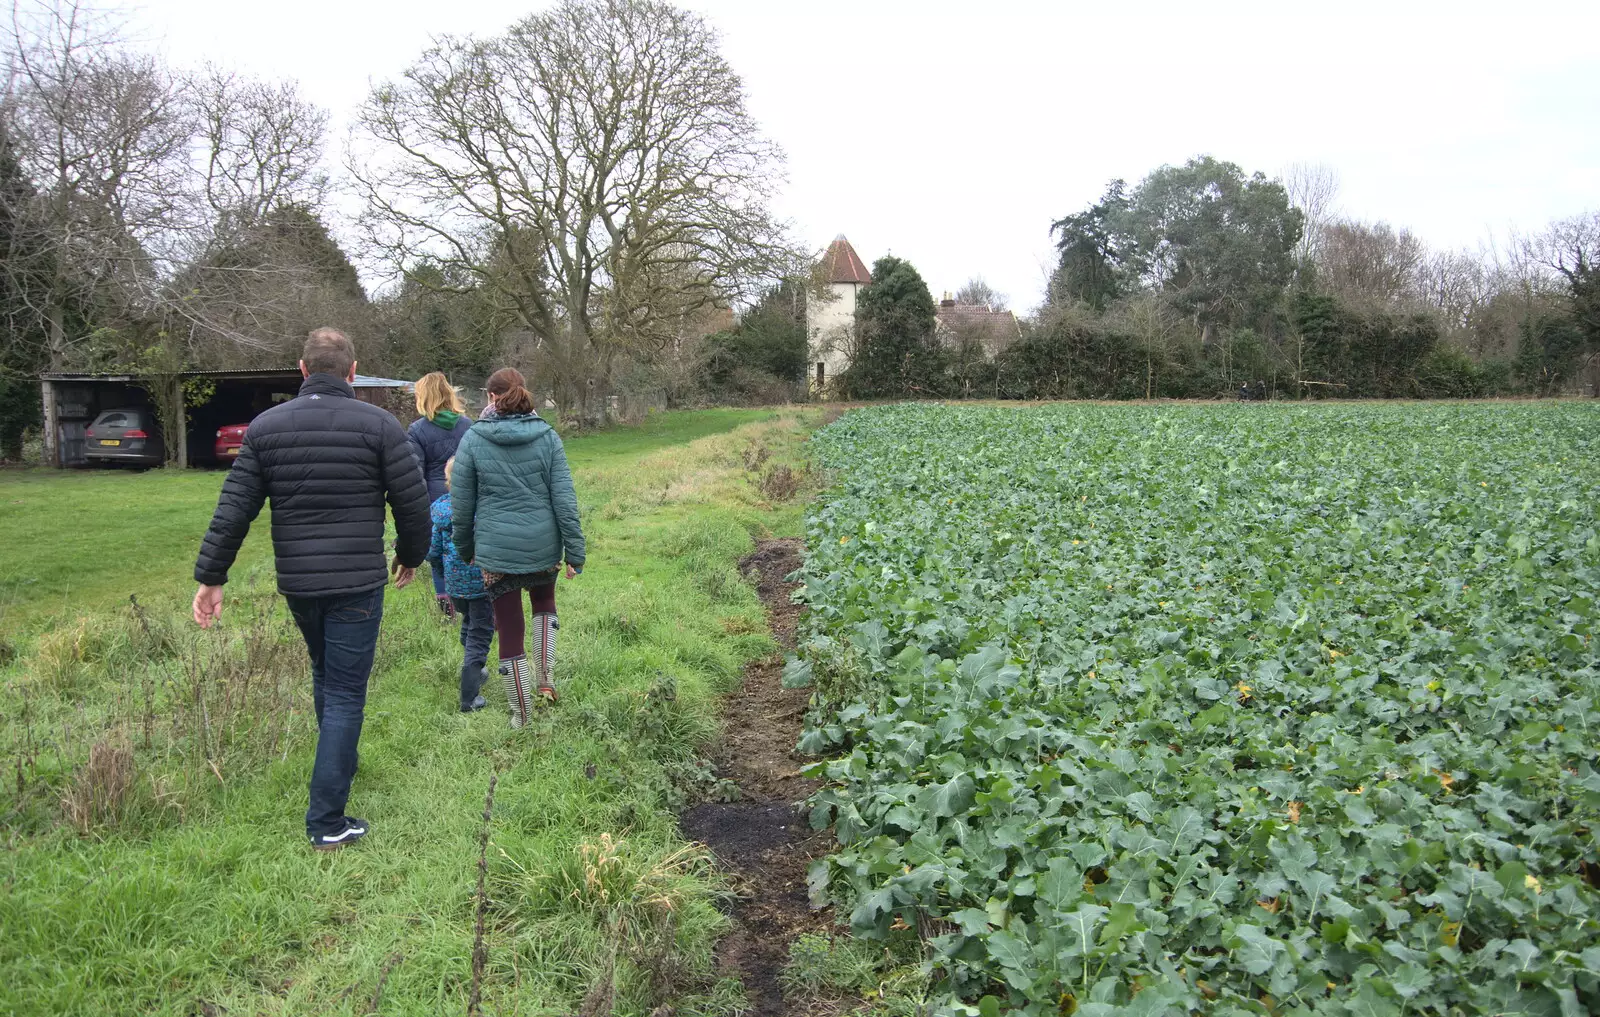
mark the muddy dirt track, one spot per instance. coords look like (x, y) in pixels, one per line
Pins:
(763, 840)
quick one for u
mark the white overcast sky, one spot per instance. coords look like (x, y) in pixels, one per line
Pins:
(953, 133)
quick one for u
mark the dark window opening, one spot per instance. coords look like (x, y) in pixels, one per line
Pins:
(820, 372)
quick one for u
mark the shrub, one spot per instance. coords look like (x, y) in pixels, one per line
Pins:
(136, 694)
(755, 454)
(1448, 373)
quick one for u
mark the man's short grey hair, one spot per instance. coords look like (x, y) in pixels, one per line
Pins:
(329, 351)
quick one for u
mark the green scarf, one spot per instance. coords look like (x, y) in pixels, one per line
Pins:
(446, 419)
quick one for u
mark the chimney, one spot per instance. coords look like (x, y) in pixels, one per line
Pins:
(948, 300)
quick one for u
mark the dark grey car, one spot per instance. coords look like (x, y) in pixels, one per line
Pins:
(129, 435)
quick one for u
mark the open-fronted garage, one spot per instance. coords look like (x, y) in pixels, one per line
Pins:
(215, 399)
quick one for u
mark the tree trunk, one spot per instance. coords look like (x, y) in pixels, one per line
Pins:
(52, 424)
(58, 335)
(178, 443)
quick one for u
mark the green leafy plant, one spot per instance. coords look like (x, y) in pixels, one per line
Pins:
(1220, 709)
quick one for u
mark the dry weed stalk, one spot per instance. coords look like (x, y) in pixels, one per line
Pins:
(480, 948)
(780, 483)
(755, 455)
(383, 980)
(120, 696)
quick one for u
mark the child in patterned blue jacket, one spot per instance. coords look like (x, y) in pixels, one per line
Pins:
(469, 600)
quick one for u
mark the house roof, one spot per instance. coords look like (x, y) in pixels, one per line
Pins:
(978, 319)
(842, 264)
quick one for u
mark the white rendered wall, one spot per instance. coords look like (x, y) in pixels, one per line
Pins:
(829, 324)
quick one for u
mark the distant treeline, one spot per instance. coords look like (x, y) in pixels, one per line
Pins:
(156, 218)
(1202, 282)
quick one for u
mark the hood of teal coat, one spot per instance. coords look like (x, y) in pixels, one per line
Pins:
(518, 430)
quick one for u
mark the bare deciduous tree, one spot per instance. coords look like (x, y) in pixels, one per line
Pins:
(1151, 322)
(263, 148)
(1568, 246)
(155, 191)
(257, 259)
(1313, 188)
(977, 291)
(1369, 262)
(104, 135)
(584, 167)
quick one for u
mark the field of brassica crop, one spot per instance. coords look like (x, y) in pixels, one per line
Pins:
(1220, 709)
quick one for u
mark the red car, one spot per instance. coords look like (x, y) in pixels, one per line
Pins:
(229, 438)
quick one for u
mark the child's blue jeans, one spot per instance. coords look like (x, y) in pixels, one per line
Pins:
(477, 630)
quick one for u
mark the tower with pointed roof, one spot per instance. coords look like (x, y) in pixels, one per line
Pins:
(831, 315)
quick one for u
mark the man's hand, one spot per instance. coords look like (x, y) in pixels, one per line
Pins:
(207, 605)
(402, 574)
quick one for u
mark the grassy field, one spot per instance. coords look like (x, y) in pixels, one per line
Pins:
(156, 774)
(74, 524)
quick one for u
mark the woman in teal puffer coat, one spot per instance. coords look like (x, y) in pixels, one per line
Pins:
(515, 515)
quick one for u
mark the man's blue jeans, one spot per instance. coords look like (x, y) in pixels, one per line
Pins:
(341, 634)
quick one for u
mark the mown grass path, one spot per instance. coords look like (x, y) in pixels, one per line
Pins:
(204, 899)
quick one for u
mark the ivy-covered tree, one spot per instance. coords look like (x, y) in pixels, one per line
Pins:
(1584, 282)
(897, 355)
(1572, 248)
(1367, 353)
(25, 276)
(1217, 244)
(769, 343)
(1090, 269)
(1221, 244)
(253, 298)
(1549, 352)
(439, 320)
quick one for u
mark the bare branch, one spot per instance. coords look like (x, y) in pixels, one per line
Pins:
(594, 167)
(1313, 188)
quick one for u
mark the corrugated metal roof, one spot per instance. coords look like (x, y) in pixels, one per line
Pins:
(244, 372)
(268, 374)
(368, 381)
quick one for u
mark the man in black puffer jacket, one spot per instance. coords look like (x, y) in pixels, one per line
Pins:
(327, 462)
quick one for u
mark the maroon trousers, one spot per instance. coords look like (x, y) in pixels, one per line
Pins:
(509, 622)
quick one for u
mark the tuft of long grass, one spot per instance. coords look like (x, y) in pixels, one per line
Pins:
(100, 790)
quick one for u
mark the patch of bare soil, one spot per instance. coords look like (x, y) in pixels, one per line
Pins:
(764, 840)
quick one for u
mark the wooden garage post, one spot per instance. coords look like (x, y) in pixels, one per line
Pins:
(52, 424)
(182, 423)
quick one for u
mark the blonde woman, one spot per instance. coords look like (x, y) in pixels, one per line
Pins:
(442, 420)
